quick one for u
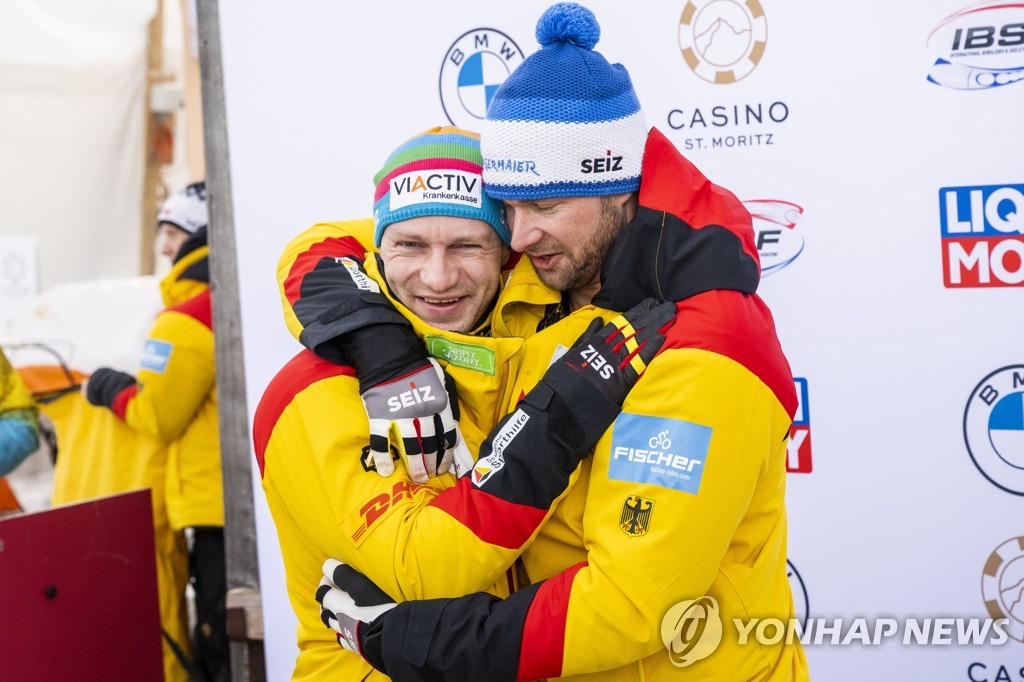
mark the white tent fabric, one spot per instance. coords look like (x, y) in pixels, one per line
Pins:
(72, 84)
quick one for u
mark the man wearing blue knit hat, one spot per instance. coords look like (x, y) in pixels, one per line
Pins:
(674, 529)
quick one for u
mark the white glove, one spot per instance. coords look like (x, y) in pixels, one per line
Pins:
(417, 413)
(349, 600)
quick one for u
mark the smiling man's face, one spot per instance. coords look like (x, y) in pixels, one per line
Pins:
(445, 269)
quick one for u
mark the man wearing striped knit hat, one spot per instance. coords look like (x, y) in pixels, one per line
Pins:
(442, 244)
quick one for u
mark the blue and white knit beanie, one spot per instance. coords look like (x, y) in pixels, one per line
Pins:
(566, 122)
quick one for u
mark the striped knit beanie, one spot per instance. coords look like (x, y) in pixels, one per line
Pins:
(437, 172)
(566, 122)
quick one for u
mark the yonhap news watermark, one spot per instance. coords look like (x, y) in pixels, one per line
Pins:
(692, 630)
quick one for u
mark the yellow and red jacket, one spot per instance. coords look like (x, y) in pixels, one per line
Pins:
(173, 396)
(684, 496)
(311, 438)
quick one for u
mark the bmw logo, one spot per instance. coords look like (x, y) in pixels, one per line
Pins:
(474, 67)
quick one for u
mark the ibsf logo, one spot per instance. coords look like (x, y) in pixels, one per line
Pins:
(994, 428)
(1002, 586)
(982, 236)
(691, 630)
(798, 449)
(979, 48)
(722, 41)
(476, 64)
(779, 242)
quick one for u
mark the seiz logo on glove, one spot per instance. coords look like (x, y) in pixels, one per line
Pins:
(409, 398)
(416, 413)
(613, 356)
(596, 362)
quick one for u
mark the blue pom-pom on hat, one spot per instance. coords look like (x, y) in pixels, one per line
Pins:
(568, 22)
(566, 122)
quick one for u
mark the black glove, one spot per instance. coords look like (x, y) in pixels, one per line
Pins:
(614, 356)
(105, 384)
(561, 419)
(588, 384)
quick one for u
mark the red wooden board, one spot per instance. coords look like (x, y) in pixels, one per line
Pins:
(78, 592)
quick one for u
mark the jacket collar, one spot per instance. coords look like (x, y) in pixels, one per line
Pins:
(188, 277)
(688, 236)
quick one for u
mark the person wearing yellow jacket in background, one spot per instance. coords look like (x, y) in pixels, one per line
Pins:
(19, 430)
(173, 398)
(100, 455)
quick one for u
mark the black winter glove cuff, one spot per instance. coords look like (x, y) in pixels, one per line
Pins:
(577, 413)
(105, 384)
(382, 352)
(371, 643)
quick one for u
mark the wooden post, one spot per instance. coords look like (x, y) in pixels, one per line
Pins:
(151, 174)
(239, 518)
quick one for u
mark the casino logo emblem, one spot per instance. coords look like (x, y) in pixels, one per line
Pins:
(801, 603)
(476, 64)
(722, 41)
(994, 428)
(635, 519)
(1002, 586)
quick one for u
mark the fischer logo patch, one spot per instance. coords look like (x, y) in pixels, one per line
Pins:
(670, 453)
(155, 355)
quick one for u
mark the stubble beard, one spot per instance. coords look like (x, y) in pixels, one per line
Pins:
(582, 265)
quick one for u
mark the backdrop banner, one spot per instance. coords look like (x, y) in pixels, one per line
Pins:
(878, 148)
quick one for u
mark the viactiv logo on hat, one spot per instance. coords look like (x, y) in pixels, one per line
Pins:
(475, 65)
(979, 48)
